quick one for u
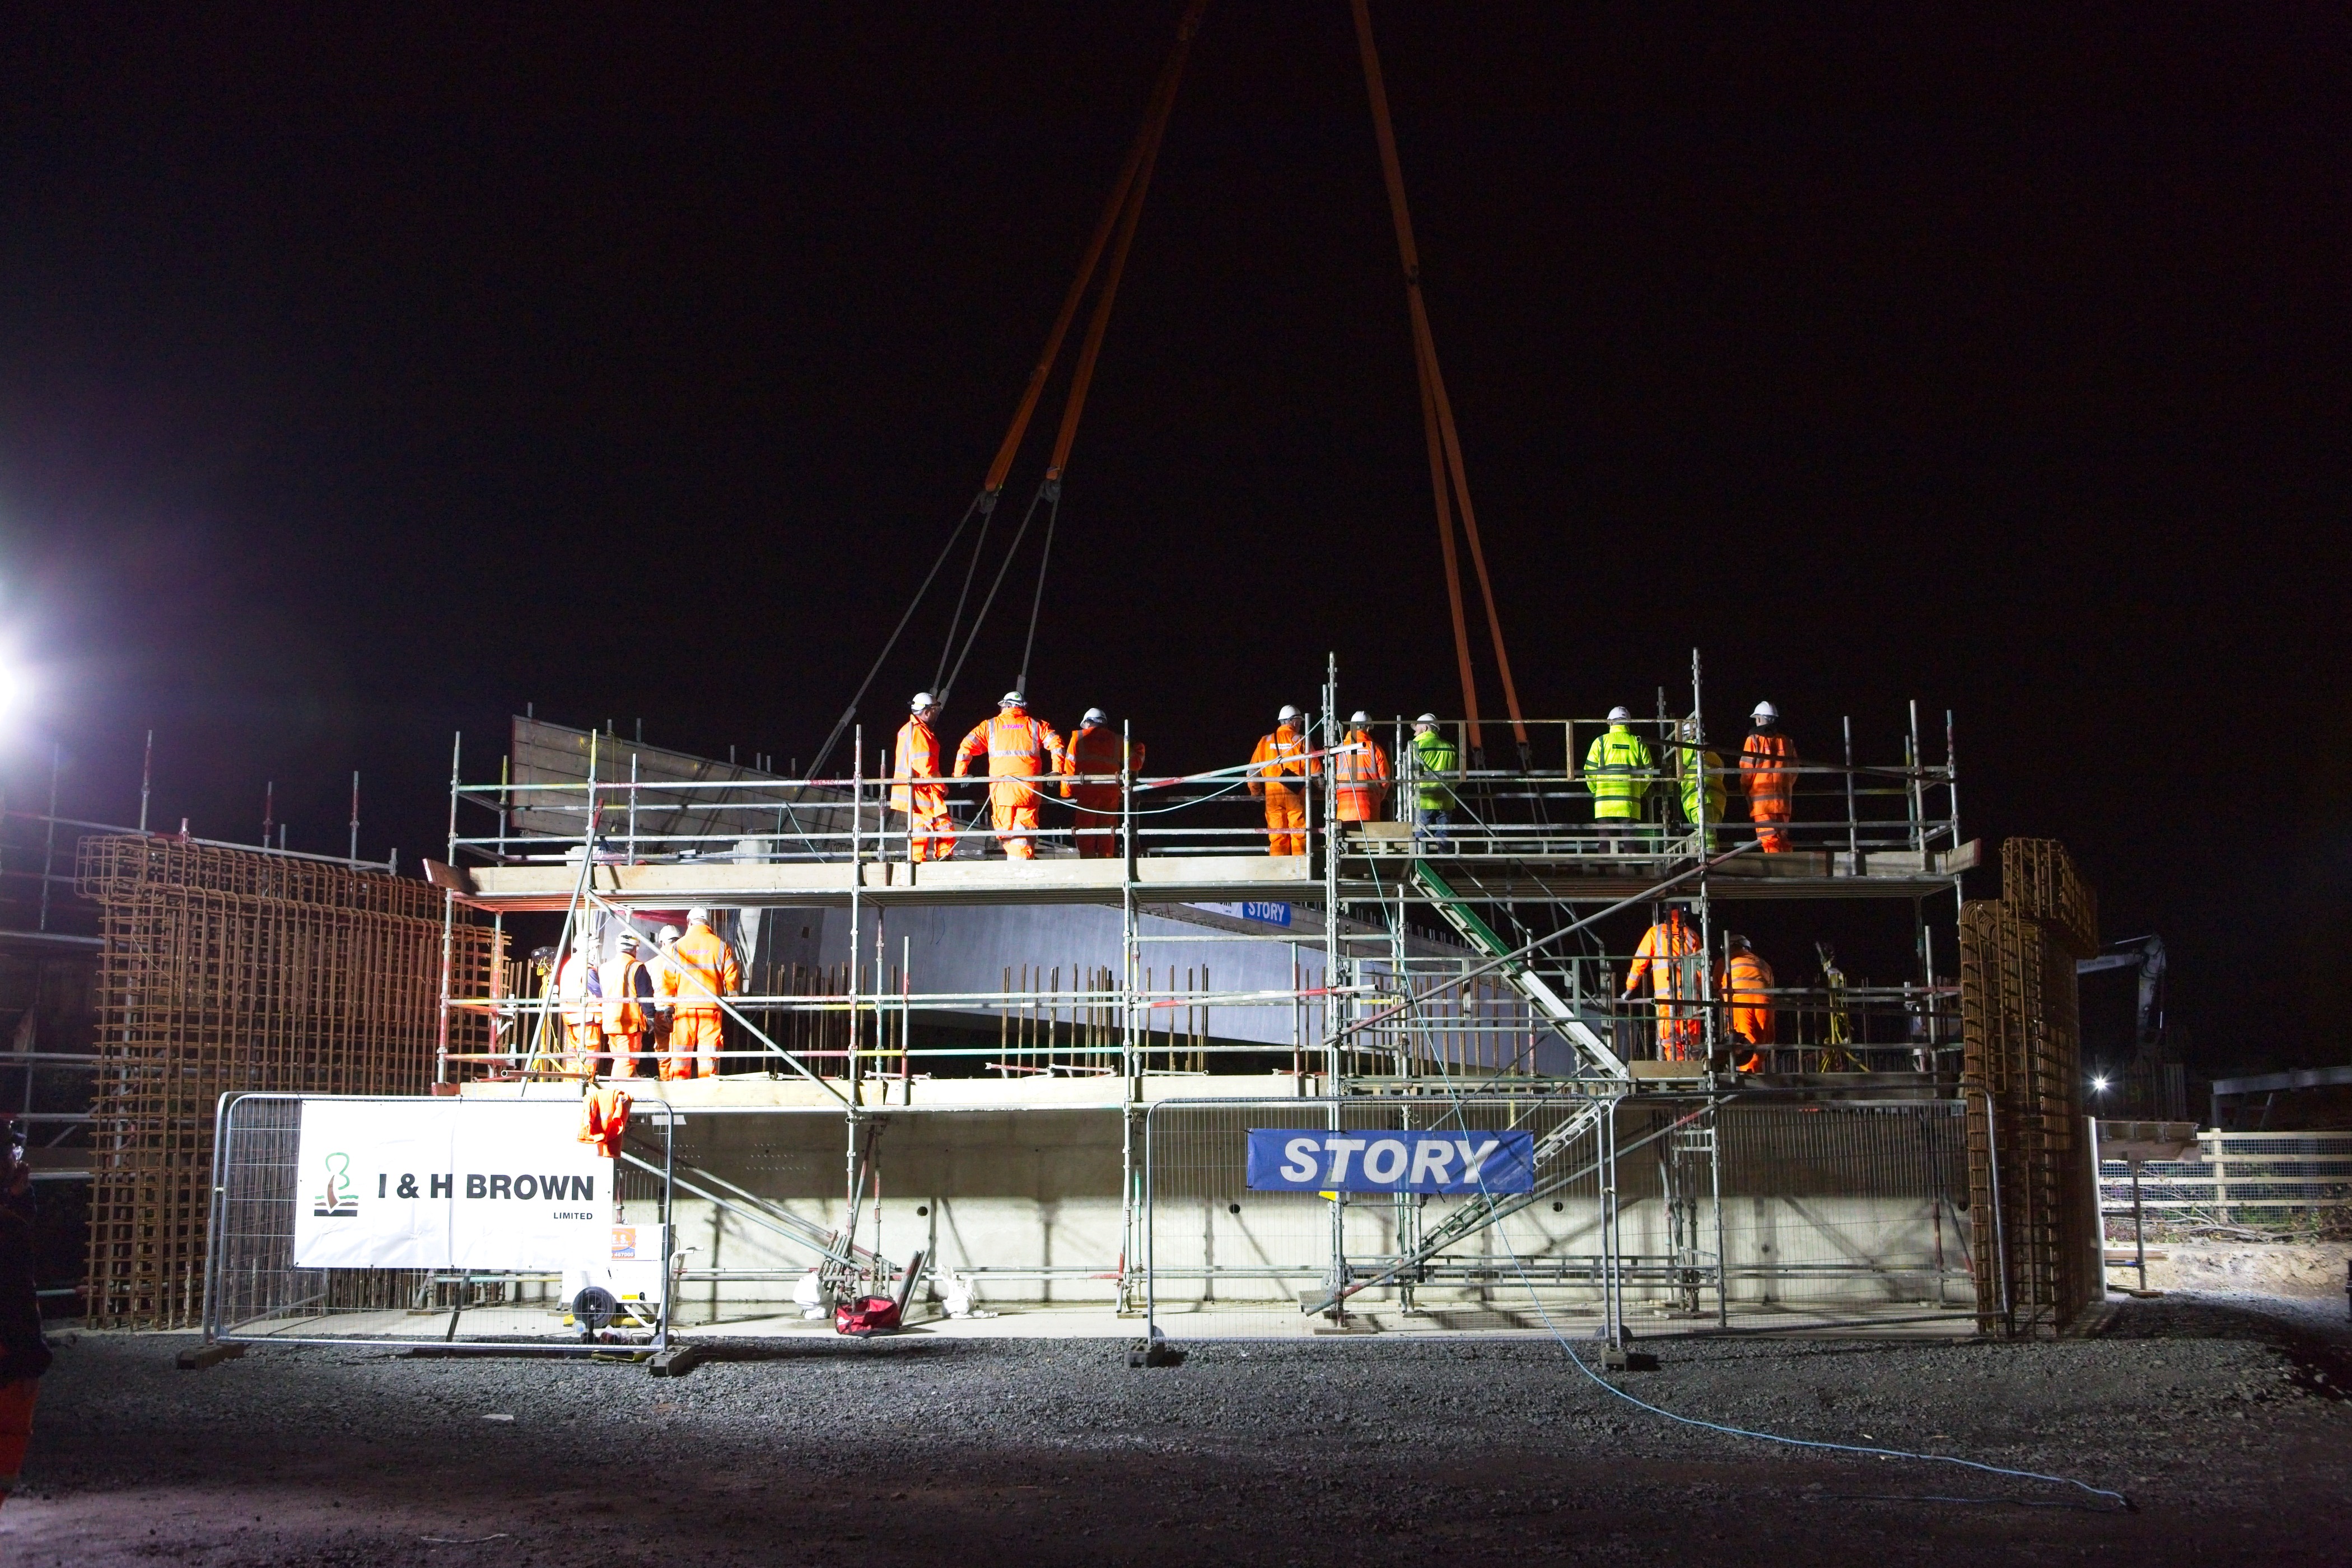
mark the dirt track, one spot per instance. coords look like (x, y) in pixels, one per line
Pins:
(2228, 1430)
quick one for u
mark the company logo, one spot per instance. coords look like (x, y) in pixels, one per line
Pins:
(1294, 1160)
(338, 1196)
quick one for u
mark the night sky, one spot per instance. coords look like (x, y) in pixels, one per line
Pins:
(367, 374)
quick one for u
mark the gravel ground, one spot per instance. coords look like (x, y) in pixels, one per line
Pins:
(2222, 1419)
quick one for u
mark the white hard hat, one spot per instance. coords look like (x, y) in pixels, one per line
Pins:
(667, 935)
(1426, 719)
(583, 940)
(1360, 717)
(1621, 715)
(698, 917)
(628, 938)
(1287, 715)
(1095, 716)
(1012, 699)
(922, 700)
(1766, 713)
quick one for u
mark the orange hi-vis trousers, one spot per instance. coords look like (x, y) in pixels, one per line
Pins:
(1766, 811)
(1016, 827)
(1285, 820)
(694, 1042)
(621, 1053)
(1097, 822)
(930, 832)
(582, 1044)
(15, 1428)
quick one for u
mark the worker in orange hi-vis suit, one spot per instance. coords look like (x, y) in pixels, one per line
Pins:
(1669, 955)
(930, 835)
(1019, 747)
(628, 1005)
(1360, 772)
(1768, 767)
(579, 993)
(1096, 749)
(1279, 758)
(1747, 987)
(701, 969)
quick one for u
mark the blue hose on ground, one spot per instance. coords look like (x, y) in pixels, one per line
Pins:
(1534, 1299)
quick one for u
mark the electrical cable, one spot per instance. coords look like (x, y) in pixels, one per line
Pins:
(1536, 1300)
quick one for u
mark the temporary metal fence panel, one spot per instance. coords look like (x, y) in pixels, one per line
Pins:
(1222, 1261)
(256, 1292)
(1671, 1213)
(1829, 1211)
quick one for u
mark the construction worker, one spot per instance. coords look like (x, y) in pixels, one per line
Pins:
(1280, 757)
(700, 970)
(579, 994)
(931, 833)
(1435, 760)
(1360, 772)
(665, 969)
(542, 969)
(1018, 747)
(1768, 767)
(24, 1351)
(1701, 772)
(1747, 987)
(628, 1006)
(1618, 770)
(1096, 749)
(1669, 954)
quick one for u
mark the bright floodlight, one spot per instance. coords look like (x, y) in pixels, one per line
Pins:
(2099, 1085)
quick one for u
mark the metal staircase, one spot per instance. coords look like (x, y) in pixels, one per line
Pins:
(1591, 1043)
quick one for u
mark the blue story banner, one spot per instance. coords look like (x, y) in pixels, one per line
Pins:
(1302, 1160)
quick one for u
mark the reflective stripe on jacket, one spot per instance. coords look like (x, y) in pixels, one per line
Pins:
(1279, 758)
(1095, 749)
(1360, 770)
(1767, 765)
(1434, 756)
(1617, 770)
(579, 990)
(1707, 767)
(918, 758)
(1667, 956)
(701, 970)
(627, 988)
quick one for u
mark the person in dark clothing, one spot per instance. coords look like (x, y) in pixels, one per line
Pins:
(24, 1353)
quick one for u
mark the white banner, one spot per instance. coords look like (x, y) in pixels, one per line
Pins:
(449, 1184)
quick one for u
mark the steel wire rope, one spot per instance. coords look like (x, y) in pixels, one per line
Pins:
(1122, 197)
(1534, 1299)
(842, 724)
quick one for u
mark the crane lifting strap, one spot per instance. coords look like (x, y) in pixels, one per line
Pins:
(1437, 413)
(1126, 198)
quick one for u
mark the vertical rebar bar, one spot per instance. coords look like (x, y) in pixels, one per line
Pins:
(1852, 823)
(49, 845)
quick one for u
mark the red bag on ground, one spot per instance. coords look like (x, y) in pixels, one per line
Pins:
(866, 1315)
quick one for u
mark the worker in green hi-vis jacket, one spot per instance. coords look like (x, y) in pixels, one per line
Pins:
(1434, 759)
(1619, 770)
(1701, 772)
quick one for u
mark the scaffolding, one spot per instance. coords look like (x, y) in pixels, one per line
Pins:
(1424, 958)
